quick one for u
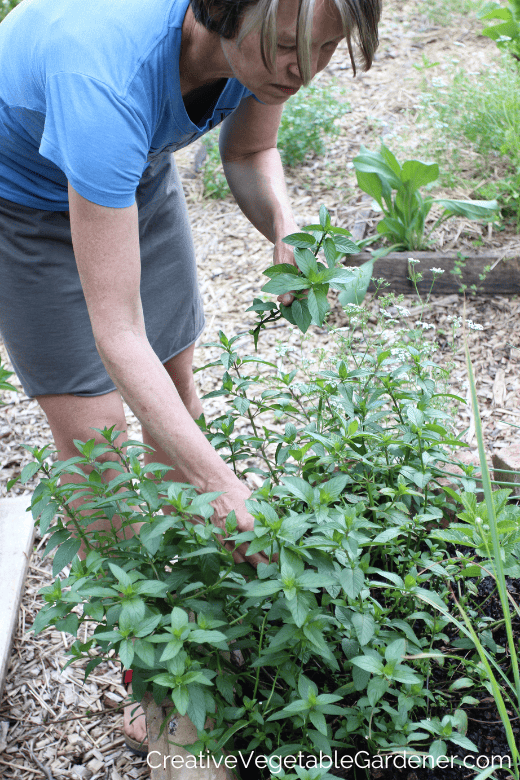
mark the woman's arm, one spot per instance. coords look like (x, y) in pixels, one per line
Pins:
(255, 175)
(106, 247)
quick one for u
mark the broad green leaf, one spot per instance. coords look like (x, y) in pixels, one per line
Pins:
(225, 687)
(388, 535)
(181, 699)
(370, 162)
(300, 488)
(28, 472)
(145, 651)
(330, 251)
(276, 270)
(306, 261)
(318, 721)
(299, 239)
(48, 515)
(121, 575)
(418, 174)
(151, 588)
(404, 675)
(486, 210)
(324, 217)
(437, 749)
(300, 314)
(377, 687)
(262, 588)
(196, 706)
(64, 555)
(355, 290)
(352, 581)
(171, 649)
(364, 627)
(211, 637)
(179, 618)
(284, 283)
(369, 664)
(318, 303)
(395, 650)
(148, 491)
(462, 741)
(415, 415)
(126, 653)
(371, 184)
(132, 613)
(346, 246)
(299, 609)
(391, 160)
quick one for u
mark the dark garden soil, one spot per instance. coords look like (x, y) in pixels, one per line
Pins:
(485, 728)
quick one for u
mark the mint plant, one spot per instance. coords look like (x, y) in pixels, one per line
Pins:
(342, 632)
(311, 279)
(380, 175)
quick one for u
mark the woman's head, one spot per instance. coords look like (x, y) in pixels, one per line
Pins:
(236, 19)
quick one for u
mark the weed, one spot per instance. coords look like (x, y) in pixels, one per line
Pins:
(481, 115)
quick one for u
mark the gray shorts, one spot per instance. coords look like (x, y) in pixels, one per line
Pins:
(44, 321)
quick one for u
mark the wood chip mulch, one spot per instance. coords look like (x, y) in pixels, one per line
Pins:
(53, 725)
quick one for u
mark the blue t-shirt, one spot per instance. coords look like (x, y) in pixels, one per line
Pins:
(90, 92)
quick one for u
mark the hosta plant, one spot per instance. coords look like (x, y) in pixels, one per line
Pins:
(396, 190)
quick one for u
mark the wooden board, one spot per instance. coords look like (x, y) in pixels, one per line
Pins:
(16, 540)
(503, 278)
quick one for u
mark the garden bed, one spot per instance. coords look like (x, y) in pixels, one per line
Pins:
(490, 273)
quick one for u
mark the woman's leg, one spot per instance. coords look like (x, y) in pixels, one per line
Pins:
(72, 417)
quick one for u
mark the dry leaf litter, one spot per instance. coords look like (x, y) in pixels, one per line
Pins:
(53, 724)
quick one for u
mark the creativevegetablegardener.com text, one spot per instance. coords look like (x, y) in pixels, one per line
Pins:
(361, 759)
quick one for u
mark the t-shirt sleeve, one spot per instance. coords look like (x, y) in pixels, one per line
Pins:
(98, 140)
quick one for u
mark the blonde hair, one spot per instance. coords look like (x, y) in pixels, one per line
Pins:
(361, 16)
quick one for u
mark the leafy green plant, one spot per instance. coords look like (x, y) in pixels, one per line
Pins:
(309, 118)
(339, 632)
(311, 279)
(405, 212)
(480, 116)
(506, 33)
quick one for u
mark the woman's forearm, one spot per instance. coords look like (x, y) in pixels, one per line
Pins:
(149, 392)
(258, 186)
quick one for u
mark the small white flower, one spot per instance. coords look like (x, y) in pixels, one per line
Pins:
(474, 325)
(403, 311)
(412, 261)
(437, 270)
(427, 325)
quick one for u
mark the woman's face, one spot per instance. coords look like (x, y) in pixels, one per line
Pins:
(246, 62)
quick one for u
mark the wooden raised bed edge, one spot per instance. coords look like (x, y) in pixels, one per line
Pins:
(502, 279)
